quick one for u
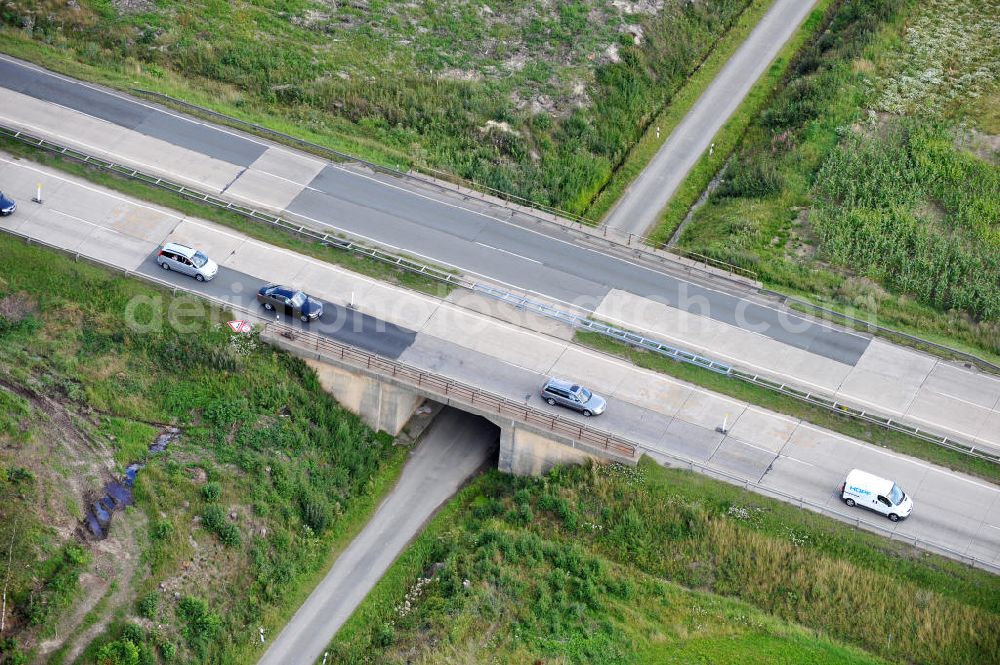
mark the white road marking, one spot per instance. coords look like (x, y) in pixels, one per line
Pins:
(678, 341)
(451, 205)
(795, 459)
(482, 244)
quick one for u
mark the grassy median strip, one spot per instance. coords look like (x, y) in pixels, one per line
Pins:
(729, 136)
(255, 229)
(660, 128)
(651, 565)
(769, 399)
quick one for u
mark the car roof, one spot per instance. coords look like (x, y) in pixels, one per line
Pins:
(562, 383)
(869, 481)
(178, 248)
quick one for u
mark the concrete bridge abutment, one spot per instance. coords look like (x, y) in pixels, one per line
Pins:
(387, 402)
(381, 405)
(524, 452)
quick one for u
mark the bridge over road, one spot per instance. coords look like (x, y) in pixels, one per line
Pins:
(717, 319)
(470, 342)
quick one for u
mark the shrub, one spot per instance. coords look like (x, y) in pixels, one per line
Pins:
(753, 177)
(163, 529)
(200, 624)
(148, 605)
(119, 652)
(133, 633)
(230, 535)
(211, 491)
(315, 512)
(385, 635)
(214, 519)
(168, 650)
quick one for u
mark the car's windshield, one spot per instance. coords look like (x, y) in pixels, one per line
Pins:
(199, 259)
(298, 299)
(896, 495)
(585, 395)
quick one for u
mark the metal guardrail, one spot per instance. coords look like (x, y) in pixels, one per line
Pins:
(619, 334)
(510, 408)
(820, 400)
(520, 301)
(440, 179)
(252, 213)
(427, 381)
(852, 321)
(674, 353)
(750, 485)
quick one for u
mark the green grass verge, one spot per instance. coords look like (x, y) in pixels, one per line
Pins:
(648, 565)
(420, 84)
(660, 128)
(341, 535)
(269, 480)
(257, 230)
(769, 399)
(841, 189)
(727, 138)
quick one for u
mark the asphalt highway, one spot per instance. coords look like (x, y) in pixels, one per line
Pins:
(450, 231)
(339, 323)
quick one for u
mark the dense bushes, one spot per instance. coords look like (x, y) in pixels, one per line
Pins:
(872, 191)
(266, 459)
(589, 579)
(200, 625)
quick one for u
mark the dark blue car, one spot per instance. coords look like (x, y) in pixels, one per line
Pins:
(7, 205)
(291, 301)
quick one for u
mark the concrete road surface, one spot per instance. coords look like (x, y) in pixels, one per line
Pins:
(464, 234)
(449, 454)
(639, 208)
(659, 413)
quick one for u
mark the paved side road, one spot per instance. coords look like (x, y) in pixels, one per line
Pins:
(453, 449)
(639, 208)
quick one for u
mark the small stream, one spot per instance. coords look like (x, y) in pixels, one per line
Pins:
(117, 494)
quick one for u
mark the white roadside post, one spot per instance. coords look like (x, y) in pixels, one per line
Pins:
(724, 428)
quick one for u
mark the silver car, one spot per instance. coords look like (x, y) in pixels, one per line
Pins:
(187, 260)
(566, 393)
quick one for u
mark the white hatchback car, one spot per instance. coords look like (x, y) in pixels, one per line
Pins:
(187, 260)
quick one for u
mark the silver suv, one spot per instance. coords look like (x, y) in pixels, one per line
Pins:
(565, 393)
(186, 260)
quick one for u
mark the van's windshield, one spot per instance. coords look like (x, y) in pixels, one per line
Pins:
(585, 394)
(199, 259)
(896, 495)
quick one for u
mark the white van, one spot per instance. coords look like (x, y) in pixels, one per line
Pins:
(878, 494)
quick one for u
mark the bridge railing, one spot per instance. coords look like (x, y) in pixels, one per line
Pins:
(446, 388)
(429, 382)
(579, 320)
(504, 407)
